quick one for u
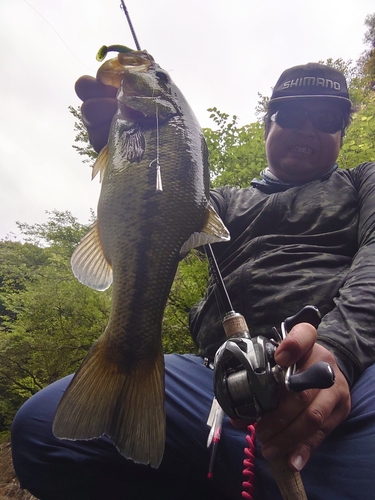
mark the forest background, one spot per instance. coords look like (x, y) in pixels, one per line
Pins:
(48, 320)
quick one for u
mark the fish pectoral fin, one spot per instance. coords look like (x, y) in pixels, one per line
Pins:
(100, 163)
(215, 227)
(214, 231)
(133, 145)
(89, 264)
(103, 398)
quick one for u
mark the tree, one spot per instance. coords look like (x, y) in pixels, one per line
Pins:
(84, 149)
(367, 60)
(359, 145)
(49, 320)
(369, 37)
(188, 288)
(237, 154)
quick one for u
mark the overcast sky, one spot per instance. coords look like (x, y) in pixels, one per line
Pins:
(220, 53)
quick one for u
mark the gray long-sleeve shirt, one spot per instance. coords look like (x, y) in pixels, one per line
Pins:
(309, 244)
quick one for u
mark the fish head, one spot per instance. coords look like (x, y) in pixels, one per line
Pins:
(112, 71)
(142, 86)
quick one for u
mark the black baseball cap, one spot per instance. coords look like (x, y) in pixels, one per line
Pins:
(309, 81)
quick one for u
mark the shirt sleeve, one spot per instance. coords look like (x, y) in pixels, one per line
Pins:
(349, 329)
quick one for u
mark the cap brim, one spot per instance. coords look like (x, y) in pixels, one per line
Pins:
(347, 103)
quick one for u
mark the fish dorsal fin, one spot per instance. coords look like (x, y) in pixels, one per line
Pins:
(100, 163)
(89, 264)
(214, 231)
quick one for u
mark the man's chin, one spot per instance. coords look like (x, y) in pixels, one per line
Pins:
(295, 173)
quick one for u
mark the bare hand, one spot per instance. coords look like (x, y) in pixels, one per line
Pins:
(99, 106)
(303, 420)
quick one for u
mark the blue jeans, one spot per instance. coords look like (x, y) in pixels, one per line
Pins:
(342, 467)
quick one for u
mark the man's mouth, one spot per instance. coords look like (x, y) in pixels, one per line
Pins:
(301, 149)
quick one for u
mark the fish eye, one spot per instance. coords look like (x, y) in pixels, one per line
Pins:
(162, 76)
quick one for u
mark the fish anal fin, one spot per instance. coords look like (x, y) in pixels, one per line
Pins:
(89, 264)
(100, 163)
(103, 399)
(213, 231)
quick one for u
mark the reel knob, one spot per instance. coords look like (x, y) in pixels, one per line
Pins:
(318, 376)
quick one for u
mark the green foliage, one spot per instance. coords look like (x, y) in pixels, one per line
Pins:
(237, 154)
(188, 287)
(368, 57)
(359, 145)
(85, 149)
(48, 319)
(369, 37)
(61, 229)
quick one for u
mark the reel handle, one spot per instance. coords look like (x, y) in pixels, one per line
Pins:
(318, 376)
(308, 314)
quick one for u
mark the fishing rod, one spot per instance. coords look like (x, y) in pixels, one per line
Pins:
(247, 381)
(123, 7)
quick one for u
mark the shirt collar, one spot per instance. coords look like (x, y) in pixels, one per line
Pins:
(269, 183)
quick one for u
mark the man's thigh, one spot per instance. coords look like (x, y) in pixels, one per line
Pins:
(58, 469)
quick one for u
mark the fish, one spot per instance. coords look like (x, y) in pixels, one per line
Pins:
(153, 208)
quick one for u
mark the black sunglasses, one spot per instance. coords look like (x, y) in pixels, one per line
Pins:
(324, 120)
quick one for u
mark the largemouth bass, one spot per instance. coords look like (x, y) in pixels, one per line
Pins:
(154, 205)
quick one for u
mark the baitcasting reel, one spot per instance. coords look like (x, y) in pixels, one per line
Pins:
(247, 379)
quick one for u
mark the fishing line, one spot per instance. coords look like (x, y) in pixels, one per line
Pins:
(218, 279)
(159, 185)
(215, 271)
(221, 293)
(50, 25)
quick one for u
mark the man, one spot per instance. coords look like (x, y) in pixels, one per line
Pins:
(303, 234)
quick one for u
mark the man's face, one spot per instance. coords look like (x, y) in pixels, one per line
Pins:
(302, 154)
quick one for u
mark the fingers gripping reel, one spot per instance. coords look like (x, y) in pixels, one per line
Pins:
(247, 379)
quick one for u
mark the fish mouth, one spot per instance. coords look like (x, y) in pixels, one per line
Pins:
(139, 60)
(137, 116)
(305, 150)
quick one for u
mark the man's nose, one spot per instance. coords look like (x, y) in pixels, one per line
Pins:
(307, 127)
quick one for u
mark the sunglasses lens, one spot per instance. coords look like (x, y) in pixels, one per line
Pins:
(329, 121)
(290, 118)
(324, 120)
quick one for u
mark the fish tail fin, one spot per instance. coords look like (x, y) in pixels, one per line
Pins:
(127, 407)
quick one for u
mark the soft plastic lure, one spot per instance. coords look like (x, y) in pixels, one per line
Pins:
(103, 51)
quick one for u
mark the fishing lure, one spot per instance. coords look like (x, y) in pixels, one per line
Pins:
(103, 51)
